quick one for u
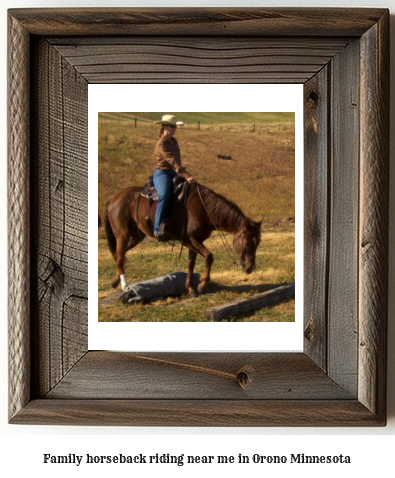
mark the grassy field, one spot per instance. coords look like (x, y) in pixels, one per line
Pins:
(260, 178)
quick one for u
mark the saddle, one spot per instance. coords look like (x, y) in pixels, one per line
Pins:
(148, 191)
(180, 187)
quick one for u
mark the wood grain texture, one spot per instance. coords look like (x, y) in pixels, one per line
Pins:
(373, 245)
(18, 211)
(196, 375)
(344, 210)
(316, 214)
(61, 200)
(200, 22)
(347, 220)
(202, 413)
(184, 60)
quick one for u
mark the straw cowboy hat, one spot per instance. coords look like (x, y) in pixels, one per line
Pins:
(169, 120)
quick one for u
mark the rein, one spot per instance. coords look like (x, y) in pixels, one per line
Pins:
(227, 248)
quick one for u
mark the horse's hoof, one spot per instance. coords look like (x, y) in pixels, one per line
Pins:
(193, 293)
(115, 283)
(202, 288)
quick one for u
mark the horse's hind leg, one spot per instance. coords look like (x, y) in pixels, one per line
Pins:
(123, 245)
(120, 261)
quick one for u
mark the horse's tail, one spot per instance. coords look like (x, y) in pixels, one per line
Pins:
(111, 239)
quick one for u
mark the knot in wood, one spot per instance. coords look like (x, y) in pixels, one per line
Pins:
(53, 277)
(313, 96)
(309, 332)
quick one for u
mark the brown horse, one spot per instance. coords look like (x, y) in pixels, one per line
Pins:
(128, 220)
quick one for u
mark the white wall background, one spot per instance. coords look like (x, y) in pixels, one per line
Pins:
(23, 447)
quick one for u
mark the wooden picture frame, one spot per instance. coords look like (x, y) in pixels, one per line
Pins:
(342, 58)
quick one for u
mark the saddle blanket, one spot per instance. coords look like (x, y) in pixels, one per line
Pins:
(169, 285)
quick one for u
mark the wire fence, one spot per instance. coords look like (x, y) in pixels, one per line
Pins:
(135, 122)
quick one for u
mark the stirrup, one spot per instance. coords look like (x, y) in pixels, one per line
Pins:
(160, 237)
(162, 228)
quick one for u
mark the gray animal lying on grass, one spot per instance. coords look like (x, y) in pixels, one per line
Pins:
(169, 285)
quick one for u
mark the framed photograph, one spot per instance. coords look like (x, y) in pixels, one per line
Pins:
(247, 149)
(341, 59)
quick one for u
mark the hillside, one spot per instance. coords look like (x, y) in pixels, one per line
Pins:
(207, 118)
(260, 177)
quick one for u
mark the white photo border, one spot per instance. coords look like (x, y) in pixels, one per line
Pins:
(194, 336)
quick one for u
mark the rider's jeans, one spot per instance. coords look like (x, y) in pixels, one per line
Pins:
(163, 180)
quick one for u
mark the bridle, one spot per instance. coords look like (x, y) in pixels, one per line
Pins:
(227, 248)
(240, 236)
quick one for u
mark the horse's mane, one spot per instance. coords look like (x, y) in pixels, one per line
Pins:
(221, 208)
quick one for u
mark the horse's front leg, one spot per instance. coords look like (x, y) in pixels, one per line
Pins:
(205, 277)
(191, 266)
(208, 257)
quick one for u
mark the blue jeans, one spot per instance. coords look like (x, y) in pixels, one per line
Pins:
(163, 180)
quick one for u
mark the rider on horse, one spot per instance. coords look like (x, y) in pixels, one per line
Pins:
(168, 157)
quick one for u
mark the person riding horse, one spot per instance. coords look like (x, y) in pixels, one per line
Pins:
(128, 217)
(168, 165)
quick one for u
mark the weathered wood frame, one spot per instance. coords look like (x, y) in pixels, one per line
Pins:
(342, 57)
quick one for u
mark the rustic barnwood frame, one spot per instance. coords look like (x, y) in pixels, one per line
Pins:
(341, 57)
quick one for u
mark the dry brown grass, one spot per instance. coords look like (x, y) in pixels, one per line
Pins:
(260, 178)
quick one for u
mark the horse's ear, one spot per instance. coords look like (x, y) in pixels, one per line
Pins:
(250, 224)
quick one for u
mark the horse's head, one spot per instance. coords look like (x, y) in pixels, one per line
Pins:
(246, 243)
